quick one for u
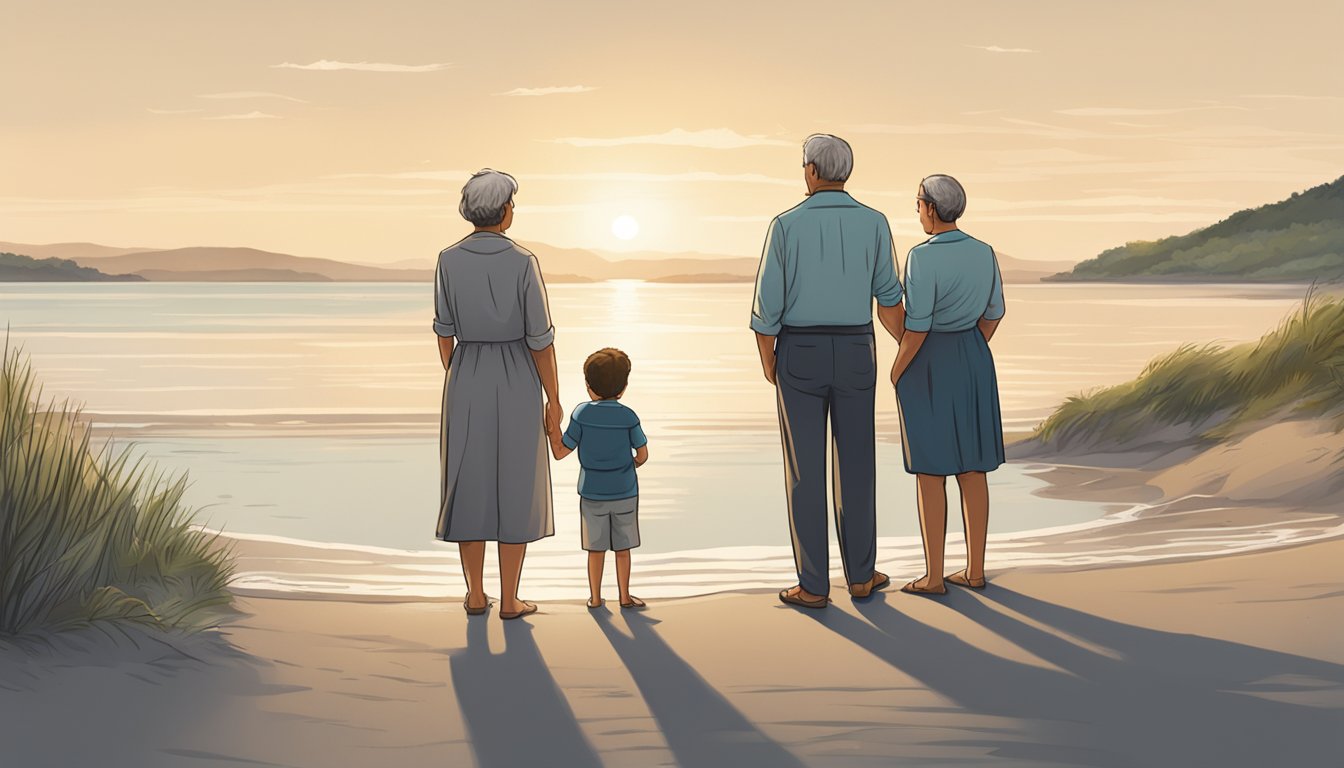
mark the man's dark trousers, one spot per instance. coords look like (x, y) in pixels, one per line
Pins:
(830, 371)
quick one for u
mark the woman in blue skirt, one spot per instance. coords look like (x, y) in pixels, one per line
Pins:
(946, 389)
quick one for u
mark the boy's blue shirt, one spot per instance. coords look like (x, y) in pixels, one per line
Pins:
(605, 432)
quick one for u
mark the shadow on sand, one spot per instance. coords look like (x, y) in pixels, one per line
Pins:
(701, 727)
(514, 712)
(1122, 695)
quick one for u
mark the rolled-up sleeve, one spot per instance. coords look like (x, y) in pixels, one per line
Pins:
(995, 309)
(886, 283)
(920, 292)
(537, 327)
(444, 325)
(767, 308)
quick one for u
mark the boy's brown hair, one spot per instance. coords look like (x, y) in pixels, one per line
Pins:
(607, 371)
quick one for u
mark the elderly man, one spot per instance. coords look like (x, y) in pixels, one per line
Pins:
(824, 262)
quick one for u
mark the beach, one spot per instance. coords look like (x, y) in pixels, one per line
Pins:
(1231, 660)
(1226, 661)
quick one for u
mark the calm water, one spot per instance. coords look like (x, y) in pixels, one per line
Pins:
(310, 411)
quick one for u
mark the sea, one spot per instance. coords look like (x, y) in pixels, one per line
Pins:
(306, 417)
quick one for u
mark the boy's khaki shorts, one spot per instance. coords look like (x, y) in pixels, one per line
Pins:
(610, 524)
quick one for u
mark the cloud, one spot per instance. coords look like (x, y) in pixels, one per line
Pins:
(1289, 97)
(249, 95)
(253, 115)
(687, 177)
(550, 91)
(1138, 111)
(709, 138)
(324, 65)
(997, 49)
(154, 111)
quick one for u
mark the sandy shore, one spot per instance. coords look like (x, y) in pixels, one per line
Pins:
(1230, 661)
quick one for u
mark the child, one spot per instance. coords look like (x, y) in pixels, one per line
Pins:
(605, 433)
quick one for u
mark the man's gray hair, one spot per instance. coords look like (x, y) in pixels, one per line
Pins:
(947, 196)
(831, 155)
(485, 195)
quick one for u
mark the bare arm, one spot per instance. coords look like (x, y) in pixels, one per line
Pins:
(446, 350)
(909, 348)
(641, 455)
(550, 384)
(987, 327)
(893, 319)
(558, 448)
(766, 346)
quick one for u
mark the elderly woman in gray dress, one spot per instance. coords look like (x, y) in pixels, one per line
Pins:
(946, 388)
(495, 340)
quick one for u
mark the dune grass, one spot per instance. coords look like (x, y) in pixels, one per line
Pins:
(92, 538)
(1296, 370)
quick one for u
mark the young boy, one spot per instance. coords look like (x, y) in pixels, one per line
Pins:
(605, 434)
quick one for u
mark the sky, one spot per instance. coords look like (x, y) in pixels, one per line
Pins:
(346, 129)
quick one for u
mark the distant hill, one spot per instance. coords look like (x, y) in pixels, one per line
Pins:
(560, 265)
(244, 265)
(16, 268)
(1301, 238)
(72, 251)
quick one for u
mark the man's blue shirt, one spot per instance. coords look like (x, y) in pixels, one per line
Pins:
(605, 432)
(824, 262)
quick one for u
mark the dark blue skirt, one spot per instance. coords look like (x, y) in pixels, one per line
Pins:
(949, 406)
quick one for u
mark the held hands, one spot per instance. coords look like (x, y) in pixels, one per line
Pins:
(896, 372)
(554, 414)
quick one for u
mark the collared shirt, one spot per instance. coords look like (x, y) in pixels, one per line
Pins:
(824, 262)
(605, 432)
(489, 289)
(951, 281)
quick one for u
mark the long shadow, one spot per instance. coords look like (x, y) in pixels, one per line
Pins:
(1144, 697)
(701, 727)
(515, 713)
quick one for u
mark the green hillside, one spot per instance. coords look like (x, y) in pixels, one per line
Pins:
(1298, 239)
(15, 268)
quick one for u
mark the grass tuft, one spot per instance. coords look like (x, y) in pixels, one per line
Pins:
(93, 538)
(1296, 370)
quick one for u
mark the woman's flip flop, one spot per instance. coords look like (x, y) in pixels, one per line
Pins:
(911, 589)
(530, 609)
(960, 579)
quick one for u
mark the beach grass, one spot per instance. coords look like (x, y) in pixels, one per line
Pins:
(1294, 371)
(93, 538)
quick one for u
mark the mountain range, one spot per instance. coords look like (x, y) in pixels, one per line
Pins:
(224, 264)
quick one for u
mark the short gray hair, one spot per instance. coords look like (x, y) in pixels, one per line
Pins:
(831, 155)
(485, 195)
(946, 195)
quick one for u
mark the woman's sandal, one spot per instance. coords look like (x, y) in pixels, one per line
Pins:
(635, 602)
(477, 611)
(594, 606)
(911, 589)
(530, 609)
(961, 580)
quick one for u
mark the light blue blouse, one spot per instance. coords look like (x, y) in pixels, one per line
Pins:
(951, 281)
(824, 262)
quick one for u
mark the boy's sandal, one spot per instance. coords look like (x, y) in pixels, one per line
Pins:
(798, 599)
(591, 605)
(961, 580)
(635, 602)
(911, 589)
(530, 609)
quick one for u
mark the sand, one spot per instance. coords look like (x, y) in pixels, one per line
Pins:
(1230, 661)
(1235, 660)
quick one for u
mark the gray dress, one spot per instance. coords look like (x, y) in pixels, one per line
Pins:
(496, 476)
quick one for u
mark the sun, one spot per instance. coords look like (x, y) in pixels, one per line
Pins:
(625, 227)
